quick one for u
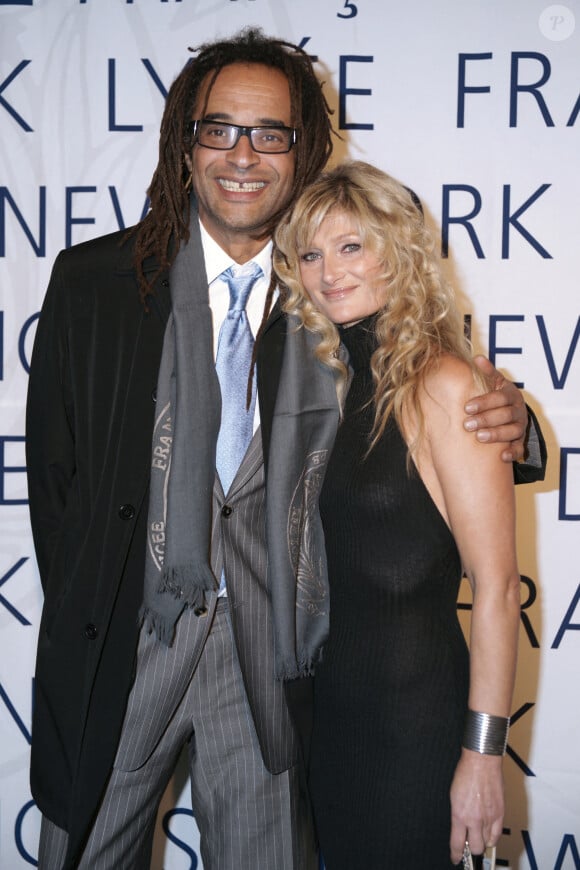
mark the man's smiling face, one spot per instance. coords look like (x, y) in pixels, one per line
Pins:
(239, 190)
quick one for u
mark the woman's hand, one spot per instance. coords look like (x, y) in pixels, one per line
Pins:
(477, 803)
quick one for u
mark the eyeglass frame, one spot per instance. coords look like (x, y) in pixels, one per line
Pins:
(241, 130)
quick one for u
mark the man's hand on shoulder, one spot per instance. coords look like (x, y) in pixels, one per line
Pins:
(499, 415)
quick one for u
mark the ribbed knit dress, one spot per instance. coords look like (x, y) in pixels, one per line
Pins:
(391, 692)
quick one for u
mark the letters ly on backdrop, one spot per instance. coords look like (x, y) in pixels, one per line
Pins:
(475, 105)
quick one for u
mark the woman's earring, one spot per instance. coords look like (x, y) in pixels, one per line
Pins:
(189, 183)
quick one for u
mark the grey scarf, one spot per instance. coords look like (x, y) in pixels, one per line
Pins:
(303, 431)
(177, 561)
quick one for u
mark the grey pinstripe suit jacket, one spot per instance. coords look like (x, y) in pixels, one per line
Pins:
(238, 548)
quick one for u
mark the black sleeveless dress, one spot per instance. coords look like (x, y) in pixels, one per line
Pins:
(391, 692)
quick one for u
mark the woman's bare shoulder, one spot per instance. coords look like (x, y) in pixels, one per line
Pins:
(449, 383)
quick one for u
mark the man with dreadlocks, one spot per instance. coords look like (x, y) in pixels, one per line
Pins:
(158, 628)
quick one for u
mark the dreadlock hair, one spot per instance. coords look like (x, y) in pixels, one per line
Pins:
(158, 235)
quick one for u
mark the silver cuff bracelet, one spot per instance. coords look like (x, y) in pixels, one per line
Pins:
(486, 734)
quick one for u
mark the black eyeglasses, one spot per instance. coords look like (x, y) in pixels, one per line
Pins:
(224, 137)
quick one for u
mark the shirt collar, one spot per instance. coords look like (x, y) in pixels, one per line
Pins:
(217, 260)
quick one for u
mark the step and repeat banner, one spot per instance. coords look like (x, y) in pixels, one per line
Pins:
(475, 104)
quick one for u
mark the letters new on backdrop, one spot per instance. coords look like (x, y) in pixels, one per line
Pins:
(475, 105)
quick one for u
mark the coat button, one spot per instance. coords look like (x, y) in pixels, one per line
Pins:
(227, 511)
(126, 511)
(165, 283)
(200, 611)
(90, 631)
(154, 394)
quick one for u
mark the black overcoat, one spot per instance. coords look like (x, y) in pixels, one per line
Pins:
(90, 414)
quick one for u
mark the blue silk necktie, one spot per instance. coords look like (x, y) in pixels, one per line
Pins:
(233, 361)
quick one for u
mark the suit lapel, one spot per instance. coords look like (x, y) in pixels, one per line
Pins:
(251, 464)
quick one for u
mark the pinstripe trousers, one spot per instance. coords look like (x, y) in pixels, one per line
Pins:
(249, 819)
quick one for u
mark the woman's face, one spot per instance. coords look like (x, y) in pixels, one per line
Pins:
(339, 275)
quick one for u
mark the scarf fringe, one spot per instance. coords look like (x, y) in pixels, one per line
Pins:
(303, 666)
(162, 626)
(187, 583)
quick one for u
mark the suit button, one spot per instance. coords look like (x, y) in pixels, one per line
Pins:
(227, 511)
(200, 611)
(165, 283)
(154, 394)
(126, 511)
(91, 631)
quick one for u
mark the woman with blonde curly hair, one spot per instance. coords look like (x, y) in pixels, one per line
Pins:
(409, 727)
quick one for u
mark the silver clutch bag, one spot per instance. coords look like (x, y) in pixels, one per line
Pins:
(488, 862)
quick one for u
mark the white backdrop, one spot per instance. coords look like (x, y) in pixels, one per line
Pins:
(473, 103)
